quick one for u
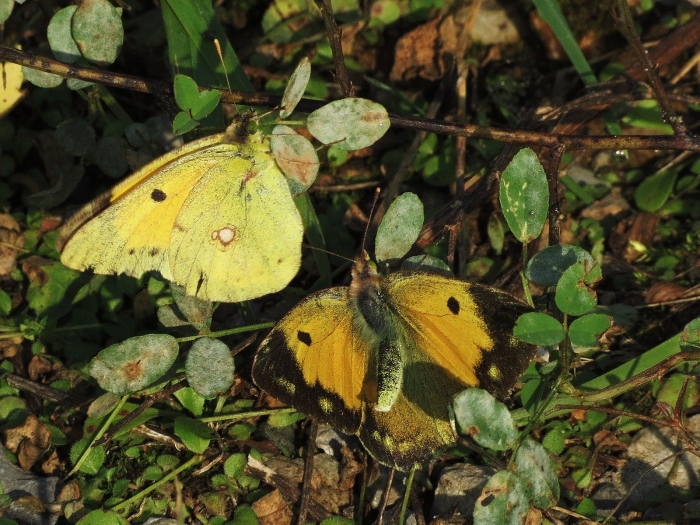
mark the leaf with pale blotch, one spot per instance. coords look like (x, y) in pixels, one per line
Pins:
(295, 87)
(524, 195)
(130, 366)
(296, 157)
(349, 123)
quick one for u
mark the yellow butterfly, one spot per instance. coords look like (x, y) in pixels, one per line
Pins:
(215, 216)
(384, 357)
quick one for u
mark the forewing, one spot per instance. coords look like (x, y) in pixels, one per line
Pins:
(127, 229)
(315, 360)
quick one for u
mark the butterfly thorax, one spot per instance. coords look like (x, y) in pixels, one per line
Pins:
(379, 323)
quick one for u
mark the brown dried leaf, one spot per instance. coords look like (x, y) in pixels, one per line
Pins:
(424, 52)
(11, 239)
(663, 291)
(29, 441)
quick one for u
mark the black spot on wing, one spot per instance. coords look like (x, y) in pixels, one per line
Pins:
(277, 366)
(453, 305)
(153, 252)
(158, 195)
(304, 337)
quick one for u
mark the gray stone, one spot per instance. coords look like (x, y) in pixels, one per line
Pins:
(458, 489)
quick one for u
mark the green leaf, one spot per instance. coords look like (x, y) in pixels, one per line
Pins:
(573, 296)
(234, 465)
(537, 471)
(206, 102)
(102, 517)
(539, 329)
(399, 228)
(130, 366)
(186, 92)
(197, 312)
(183, 123)
(6, 7)
(496, 233)
(524, 195)
(209, 367)
(94, 460)
(41, 79)
(5, 303)
(503, 500)
(244, 515)
(585, 330)
(487, 421)
(587, 507)
(349, 123)
(547, 266)
(191, 28)
(296, 87)
(98, 31)
(191, 400)
(60, 36)
(647, 114)
(655, 190)
(110, 156)
(195, 435)
(50, 290)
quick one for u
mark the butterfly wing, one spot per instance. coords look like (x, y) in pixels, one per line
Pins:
(165, 215)
(238, 234)
(456, 335)
(315, 360)
(127, 229)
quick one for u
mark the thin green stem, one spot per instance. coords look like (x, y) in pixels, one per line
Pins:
(136, 497)
(98, 435)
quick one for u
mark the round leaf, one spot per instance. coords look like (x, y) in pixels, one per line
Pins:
(573, 295)
(60, 36)
(503, 500)
(296, 157)
(548, 265)
(399, 228)
(585, 330)
(209, 367)
(350, 123)
(524, 195)
(130, 366)
(41, 78)
(537, 471)
(478, 414)
(75, 136)
(97, 29)
(539, 329)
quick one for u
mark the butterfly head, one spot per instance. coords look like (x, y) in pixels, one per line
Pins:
(364, 275)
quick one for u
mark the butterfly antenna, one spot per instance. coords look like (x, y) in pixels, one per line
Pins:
(217, 45)
(369, 219)
(326, 251)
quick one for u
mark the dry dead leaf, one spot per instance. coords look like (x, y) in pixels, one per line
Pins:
(424, 52)
(11, 240)
(273, 509)
(29, 441)
(663, 291)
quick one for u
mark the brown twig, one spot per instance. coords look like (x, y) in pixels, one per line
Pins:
(335, 35)
(626, 25)
(308, 473)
